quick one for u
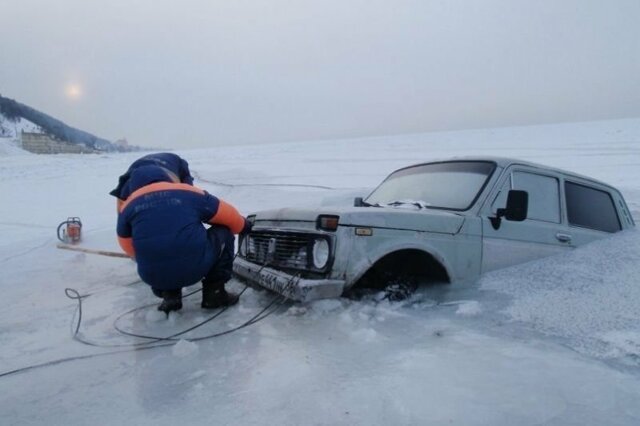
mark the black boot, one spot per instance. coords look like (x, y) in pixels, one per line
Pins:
(172, 301)
(215, 296)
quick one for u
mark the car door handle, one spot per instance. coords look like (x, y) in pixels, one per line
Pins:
(563, 238)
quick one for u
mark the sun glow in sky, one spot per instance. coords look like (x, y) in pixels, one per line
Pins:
(73, 91)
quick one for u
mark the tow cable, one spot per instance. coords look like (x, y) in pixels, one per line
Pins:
(171, 339)
(154, 341)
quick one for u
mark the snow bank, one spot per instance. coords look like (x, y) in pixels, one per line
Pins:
(9, 147)
(588, 296)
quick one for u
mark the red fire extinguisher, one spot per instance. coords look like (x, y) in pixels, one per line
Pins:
(71, 233)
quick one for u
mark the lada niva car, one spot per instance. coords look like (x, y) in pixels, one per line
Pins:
(444, 221)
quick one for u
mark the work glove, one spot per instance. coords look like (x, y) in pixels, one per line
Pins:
(247, 227)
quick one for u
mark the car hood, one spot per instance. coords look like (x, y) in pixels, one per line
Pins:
(427, 220)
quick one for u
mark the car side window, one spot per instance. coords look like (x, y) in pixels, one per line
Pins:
(544, 195)
(591, 208)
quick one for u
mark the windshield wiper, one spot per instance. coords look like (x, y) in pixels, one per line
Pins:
(359, 202)
(419, 204)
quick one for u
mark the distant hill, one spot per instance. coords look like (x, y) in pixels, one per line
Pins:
(14, 111)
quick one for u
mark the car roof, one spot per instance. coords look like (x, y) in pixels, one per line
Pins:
(507, 161)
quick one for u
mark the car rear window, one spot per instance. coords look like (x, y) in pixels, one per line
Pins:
(591, 208)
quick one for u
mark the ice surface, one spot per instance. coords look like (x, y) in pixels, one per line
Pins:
(554, 342)
(184, 348)
(469, 308)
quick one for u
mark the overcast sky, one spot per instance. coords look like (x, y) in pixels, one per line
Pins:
(202, 73)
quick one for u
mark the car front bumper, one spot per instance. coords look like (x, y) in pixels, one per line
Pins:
(291, 286)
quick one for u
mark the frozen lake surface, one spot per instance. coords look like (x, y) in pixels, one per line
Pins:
(554, 342)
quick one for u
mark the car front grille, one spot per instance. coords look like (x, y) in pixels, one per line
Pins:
(283, 250)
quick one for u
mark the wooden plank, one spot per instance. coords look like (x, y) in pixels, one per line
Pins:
(92, 251)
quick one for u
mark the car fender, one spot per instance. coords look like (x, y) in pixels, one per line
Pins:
(371, 254)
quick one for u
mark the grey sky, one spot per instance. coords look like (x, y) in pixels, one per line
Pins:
(202, 73)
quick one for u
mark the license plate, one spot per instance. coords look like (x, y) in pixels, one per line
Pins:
(279, 284)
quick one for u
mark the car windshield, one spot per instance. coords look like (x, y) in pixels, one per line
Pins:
(449, 185)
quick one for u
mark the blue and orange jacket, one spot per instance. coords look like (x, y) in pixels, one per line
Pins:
(161, 226)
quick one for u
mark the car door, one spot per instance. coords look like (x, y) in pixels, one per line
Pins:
(541, 234)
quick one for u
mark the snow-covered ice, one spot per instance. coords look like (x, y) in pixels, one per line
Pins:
(587, 296)
(184, 348)
(554, 342)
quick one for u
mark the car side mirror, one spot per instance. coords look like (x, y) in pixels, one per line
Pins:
(516, 209)
(358, 202)
(517, 205)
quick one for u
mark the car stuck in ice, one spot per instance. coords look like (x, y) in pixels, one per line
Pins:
(444, 221)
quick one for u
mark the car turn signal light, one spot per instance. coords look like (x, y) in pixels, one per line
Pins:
(327, 222)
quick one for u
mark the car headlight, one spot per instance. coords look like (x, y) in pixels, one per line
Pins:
(320, 253)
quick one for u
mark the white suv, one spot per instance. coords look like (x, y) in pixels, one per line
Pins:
(444, 221)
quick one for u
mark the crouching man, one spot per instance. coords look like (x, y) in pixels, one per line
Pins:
(161, 225)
